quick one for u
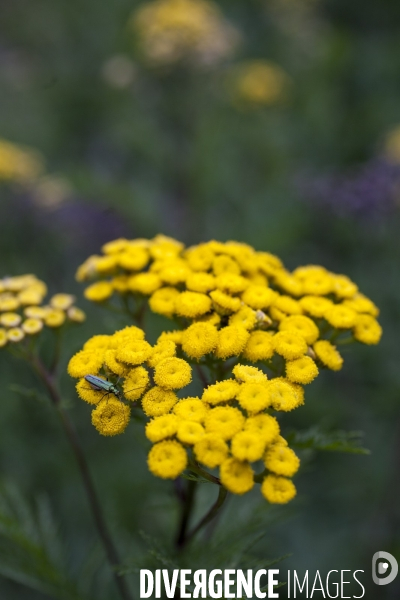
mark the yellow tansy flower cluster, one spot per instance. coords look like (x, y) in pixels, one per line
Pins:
(172, 30)
(261, 332)
(129, 369)
(230, 427)
(23, 312)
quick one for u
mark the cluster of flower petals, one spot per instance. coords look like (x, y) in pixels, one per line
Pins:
(266, 331)
(23, 313)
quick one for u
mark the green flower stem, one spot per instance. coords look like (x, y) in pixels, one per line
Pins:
(187, 507)
(184, 536)
(343, 341)
(214, 510)
(93, 500)
(193, 466)
(57, 349)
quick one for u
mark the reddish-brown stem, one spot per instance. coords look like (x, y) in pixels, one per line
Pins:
(94, 503)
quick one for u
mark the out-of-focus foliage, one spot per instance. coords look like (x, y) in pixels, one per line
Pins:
(134, 149)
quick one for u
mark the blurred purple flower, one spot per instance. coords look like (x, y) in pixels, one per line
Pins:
(87, 225)
(369, 191)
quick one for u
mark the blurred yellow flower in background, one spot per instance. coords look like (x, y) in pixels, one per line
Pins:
(392, 145)
(172, 30)
(258, 83)
(18, 164)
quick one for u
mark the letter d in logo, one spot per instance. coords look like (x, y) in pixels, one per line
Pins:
(383, 568)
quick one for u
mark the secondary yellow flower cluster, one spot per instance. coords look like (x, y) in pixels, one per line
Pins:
(229, 427)
(17, 163)
(172, 30)
(22, 311)
(258, 83)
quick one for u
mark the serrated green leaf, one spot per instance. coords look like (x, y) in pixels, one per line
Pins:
(332, 441)
(194, 477)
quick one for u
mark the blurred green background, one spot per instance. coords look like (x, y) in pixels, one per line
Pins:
(134, 145)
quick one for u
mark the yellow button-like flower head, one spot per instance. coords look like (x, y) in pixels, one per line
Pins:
(113, 364)
(248, 445)
(32, 326)
(87, 393)
(289, 344)
(190, 432)
(302, 325)
(173, 373)
(200, 282)
(341, 316)
(225, 303)
(221, 391)
(199, 339)
(191, 409)
(55, 318)
(111, 417)
(246, 374)
(10, 319)
(62, 301)
(344, 287)
(76, 314)
(265, 426)
(367, 330)
(85, 362)
(158, 401)
(134, 258)
(99, 292)
(163, 301)
(200, 258)
(246, 317)
(316, 306)
(258, 296)
(134, 352)
(302, 370)
(328, 355)
(254, 397)
(231, 341)
(192, 304)
(161, 351)
(144, 283)
(15, 335)
(283, 395)
(162, 427)
(259, 346)
(281, 460)
(167, 459)
(135, 383)
(236, 476)
(278, 490)
(211, 450)
(225, 421)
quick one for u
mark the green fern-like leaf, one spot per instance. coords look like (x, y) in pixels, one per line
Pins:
(31, 552)
(332, 441)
